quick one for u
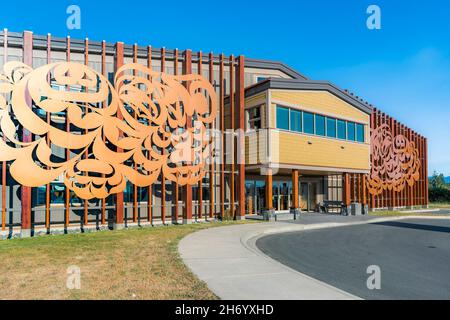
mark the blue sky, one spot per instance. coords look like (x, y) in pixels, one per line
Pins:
(403, 69)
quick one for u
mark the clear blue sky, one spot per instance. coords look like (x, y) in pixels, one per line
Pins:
(403, 69)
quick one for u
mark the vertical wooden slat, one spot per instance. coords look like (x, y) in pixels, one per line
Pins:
(47, 139)
(135, 188)
(104, 105)
(392, 191)
(149, 188)
(163, 178)
(187, 213)
(233, 150)
(67, 193)
(200, 183)
(118, 62)
(4, 181)
(212, 164)
(86, 62)
(27, 137)
(240, 105)
(222, 130)
(372, 127)
(176, 186)
(426, 173)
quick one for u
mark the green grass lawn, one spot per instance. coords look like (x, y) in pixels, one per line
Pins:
(128, 264)
(440, 205)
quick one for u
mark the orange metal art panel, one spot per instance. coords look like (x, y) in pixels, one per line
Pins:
(395, 161)
(138, 148)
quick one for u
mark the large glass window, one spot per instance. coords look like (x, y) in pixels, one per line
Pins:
(320, 125)
(331, 127)
(296, 120)
(360, 133)
(282, 118)
(351, 131)
(311, 123)
(341, 129)
(308, 122)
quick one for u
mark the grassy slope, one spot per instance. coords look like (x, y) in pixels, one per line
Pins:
(128, 264)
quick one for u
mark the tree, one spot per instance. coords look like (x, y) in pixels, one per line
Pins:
(437, 181)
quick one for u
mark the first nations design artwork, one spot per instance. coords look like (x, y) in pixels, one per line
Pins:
(97, 136)
(395, 162)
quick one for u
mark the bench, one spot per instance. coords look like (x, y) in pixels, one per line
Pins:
(327, 205)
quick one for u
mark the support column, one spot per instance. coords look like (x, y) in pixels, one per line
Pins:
(269, 195)
(347, 192)
(240, 114)
(27, 137)
(187, 212)
(118, 221)
(295, 202)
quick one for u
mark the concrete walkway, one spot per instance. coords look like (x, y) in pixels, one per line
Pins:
(227, 259)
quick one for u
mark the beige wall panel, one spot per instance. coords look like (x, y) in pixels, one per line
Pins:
(321, 102)
(304, 150)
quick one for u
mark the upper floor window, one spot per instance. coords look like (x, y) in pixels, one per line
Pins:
(311, 123)
(341, 129)
(360, 132)
(253, 118)
(260, 79)
(282, 118)
(331, 127)
(308, 122)
(351, 131)
(320, 125)
(296, 120)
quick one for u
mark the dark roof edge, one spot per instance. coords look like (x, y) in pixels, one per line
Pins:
(296, 84)
(267, 64)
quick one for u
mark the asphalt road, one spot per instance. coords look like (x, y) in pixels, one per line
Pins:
(413, 255)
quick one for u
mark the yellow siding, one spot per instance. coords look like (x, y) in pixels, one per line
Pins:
(255, 100)
(294, 149)
(321, 102)
(255, 148)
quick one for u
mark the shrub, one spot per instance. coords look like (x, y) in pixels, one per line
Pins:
(441, 194)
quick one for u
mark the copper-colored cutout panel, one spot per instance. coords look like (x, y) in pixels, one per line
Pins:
(161, 103)
(395, 161)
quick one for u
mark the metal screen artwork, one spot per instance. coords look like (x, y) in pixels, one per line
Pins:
(395, 161)
(148, 123)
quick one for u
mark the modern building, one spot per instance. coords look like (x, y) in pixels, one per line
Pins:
(306, 143)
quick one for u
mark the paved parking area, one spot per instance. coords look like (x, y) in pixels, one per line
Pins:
(413, 254)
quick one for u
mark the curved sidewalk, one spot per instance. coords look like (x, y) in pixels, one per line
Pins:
(227, 259)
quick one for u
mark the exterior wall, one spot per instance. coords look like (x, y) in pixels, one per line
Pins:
(304, 150)
(317, 151)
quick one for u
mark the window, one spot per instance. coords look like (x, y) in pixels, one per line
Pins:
(360, 134)
(341, 129)
(308, 122)
(296, 120)
(351, 134)
(260, 79)
(320, 125)
(331, 127)
(282, 118)
(253, 117)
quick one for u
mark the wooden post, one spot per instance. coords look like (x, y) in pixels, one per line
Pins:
(233, 103)
(104, 105)
(27, 137)
(119, 222)
(4, 181)
(212, 179)
(347, 191)
(295, 191)
(269, 194)
(150, 187)
(187, 213)
(240, 104)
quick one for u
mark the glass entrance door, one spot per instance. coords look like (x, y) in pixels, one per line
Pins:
(308, 201)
